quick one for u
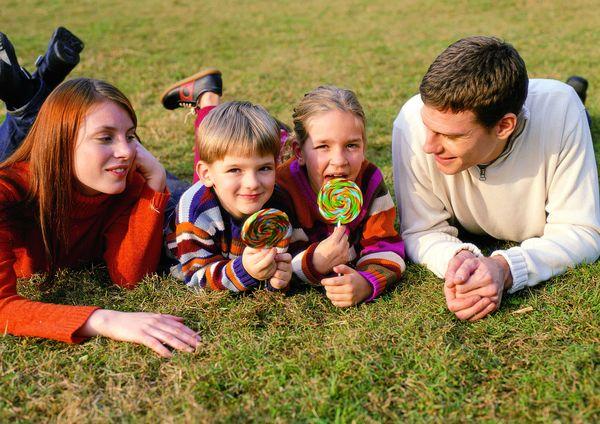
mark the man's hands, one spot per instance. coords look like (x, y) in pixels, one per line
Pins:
(156, 331)
(332, 251)
(349, 288)
(267, 264)
(473, 286)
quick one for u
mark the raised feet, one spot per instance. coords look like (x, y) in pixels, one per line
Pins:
(16, 85)
(187, 92)
(60, 58)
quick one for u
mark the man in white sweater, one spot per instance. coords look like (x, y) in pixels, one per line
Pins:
(485, 148)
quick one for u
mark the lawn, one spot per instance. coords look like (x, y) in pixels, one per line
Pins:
(269, 357)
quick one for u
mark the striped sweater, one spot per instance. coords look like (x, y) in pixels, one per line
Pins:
(376, 250)
(206, 241)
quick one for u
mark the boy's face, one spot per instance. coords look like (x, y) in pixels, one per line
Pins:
(242, 184)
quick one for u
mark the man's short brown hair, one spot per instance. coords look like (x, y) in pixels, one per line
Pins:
(481, 74)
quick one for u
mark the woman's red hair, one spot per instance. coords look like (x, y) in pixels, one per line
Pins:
(49, 148)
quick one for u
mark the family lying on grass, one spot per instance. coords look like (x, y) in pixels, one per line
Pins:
(481, 148)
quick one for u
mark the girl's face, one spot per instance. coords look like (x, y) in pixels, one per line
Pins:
(105, 149)
(335, 147)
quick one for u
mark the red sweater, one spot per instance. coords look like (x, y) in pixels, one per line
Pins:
(124, 231)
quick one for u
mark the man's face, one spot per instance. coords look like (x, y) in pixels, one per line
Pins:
(457, 141)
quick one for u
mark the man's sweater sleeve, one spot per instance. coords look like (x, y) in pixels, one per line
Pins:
(572, 231)
(427, 234)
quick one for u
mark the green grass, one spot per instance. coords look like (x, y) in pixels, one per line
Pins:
(266, 357)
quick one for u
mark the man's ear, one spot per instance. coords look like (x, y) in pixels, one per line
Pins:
(203, 172)
(506, 126)
(298, 152)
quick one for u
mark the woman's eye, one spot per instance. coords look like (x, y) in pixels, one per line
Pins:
(105, 138)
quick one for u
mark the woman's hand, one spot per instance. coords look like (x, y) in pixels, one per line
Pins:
(156, 331)
(150, 168)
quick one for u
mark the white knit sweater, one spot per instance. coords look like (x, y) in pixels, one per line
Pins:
(541, 192)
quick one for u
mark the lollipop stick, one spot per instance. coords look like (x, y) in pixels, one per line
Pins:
(339, 224)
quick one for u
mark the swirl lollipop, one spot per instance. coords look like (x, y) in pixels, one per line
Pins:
(267, 228)
(340, 201)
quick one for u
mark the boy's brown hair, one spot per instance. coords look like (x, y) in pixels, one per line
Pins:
(481, 74)
(237, 128)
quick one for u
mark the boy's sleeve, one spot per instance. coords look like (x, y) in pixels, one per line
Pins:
(381, 260)
(195, 243)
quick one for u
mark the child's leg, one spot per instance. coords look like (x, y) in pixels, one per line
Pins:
(207, 102)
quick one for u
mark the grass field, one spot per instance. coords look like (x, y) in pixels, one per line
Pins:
(266, 357)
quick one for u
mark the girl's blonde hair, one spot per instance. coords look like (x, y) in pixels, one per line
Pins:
(237, 128)
(324, 99)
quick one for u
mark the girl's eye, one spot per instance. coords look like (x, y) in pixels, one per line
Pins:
(267, 168)
(131, 138)
(321, 147)
(105, 139)
(233, 170)
(352, 145)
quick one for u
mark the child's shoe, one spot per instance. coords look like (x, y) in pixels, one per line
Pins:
(580, 85)
(16, 85)
(61, 57)
(185, 93)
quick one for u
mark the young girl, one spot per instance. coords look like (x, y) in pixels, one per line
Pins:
(79, 189)
(329, 142)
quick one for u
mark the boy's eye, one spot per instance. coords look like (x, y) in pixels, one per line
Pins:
(233, 170)
(352, 145)
(266, 168)
(321, 147)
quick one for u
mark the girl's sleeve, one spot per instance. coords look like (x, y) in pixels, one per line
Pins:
(134, 238)
(381, 259)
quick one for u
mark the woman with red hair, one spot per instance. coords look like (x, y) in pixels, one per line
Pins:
(79, 189)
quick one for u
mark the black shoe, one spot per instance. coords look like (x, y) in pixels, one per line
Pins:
(580, 85)
(61, 57)
(16, 85)
(185, 93)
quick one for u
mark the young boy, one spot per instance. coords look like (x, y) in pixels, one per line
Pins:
(239, 143)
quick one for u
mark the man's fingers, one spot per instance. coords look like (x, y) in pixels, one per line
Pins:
(473, 282)
(488, 310)
(473, 310)
(465, 270)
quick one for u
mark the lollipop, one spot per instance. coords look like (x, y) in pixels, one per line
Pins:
(340, 201)
(267, 228)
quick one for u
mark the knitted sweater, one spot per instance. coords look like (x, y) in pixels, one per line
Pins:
(124, 231)
(206, 241)
(376, 250)
(541, 192)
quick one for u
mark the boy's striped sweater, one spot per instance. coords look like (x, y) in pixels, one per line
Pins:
(206, 241)
(376, 249)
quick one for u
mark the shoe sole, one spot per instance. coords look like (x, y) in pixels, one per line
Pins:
(196, 76)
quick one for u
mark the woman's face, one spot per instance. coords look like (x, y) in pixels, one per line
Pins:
(105, 149)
